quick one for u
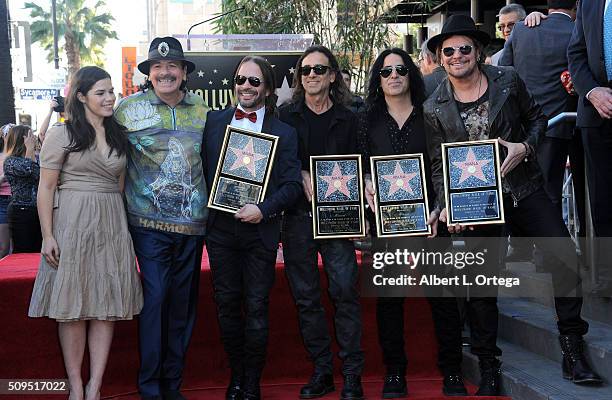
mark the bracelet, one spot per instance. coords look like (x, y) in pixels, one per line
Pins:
(527, 151)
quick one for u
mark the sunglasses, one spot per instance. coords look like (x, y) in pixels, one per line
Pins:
(318, 69)
(465, 50)
(503, 27)
(401, 70)
(253, 80)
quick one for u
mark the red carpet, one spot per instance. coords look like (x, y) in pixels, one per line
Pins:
(30, 347)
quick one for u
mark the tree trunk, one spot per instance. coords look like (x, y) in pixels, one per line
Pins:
(7, 105)
(73, 54)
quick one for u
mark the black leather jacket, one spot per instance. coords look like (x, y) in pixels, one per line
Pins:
(513, 116)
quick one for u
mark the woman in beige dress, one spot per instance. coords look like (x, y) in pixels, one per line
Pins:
(87, 277)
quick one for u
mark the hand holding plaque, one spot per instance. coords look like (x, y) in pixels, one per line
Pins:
(472, 182)
(337, 202)
(243, 169)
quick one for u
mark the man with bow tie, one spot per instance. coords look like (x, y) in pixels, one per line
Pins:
(242, 246)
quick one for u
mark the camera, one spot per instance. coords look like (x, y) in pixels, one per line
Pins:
(60, 104)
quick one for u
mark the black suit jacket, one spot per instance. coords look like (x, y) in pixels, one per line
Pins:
(539, 55)
(586, 62)
(284, 186)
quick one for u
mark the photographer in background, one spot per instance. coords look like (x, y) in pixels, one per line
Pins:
(56, 105)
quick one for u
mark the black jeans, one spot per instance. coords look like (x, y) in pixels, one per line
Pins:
(243, 273)
(300, 251)
(598, 149)
(24, 227)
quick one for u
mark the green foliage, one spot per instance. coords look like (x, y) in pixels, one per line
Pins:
(353, 29)
(82, 30)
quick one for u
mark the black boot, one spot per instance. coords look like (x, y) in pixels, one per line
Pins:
(490, 372)
(234, 389)
(352, 389)
(453, 386)
(319, 386)
(575, 366)
(395, 385)
(251, 389)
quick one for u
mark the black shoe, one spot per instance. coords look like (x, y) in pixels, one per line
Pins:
(173, 395)
(575, 366)
(251, 389)
(319, 386)
(394, 386)
(490, 373)
(352, 389)
(234, 389)
(453, 386)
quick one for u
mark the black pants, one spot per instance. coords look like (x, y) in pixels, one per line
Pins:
(552, 157)
(243, 275)
(24, 227)
(170, 268)
(598, 150)
(301, 266)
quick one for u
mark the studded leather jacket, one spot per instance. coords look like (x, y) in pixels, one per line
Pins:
(513, 116)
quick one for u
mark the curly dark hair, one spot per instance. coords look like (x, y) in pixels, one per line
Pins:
(337, 91)
(375, 100)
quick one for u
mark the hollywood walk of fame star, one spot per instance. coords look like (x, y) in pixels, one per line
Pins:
(336, 182)
(471, 167)
(200, 74)
(246, 157)
(399, 180)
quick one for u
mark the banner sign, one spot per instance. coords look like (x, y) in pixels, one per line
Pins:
(128, 63)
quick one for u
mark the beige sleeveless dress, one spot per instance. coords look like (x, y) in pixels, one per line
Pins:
(97, 276)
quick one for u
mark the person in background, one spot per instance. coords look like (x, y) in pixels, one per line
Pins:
(5, 196)
(87, 277)
(508, 16)
(357, 103)
(22, 172)
(492, 48)
(433, 73)
(44, 126)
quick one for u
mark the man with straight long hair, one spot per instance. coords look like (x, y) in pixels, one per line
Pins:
(242, 246)
(325, 127)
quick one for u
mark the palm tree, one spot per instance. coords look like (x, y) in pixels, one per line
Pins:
(82, 31)
(7, 105)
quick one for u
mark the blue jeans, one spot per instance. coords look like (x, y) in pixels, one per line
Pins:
(300, 251)
(170, 268)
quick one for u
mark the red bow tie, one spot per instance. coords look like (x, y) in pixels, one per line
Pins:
(252, 116)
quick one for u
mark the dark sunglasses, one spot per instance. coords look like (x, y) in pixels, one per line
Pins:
(318, 69)
(401, 70)
(253, 80)
(465, 50)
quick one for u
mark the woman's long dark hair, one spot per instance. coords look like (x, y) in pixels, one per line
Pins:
(375, 101)
(337, 90)
(81, 132)
(15, 140)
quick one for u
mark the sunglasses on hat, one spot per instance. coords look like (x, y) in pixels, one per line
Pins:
(253, 80)
(465, 50)
(401, 70)
(318, 69)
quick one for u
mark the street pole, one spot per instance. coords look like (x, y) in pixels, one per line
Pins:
(55, 49)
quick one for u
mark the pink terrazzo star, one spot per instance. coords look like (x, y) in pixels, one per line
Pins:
(336, 182)
(246, 157)
(471, 167)
(399, 180)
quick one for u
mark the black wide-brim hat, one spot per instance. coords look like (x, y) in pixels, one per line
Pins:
(458, 25)
(165, 49)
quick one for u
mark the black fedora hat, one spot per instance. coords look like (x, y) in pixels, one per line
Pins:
(458, 25)
(165, 49)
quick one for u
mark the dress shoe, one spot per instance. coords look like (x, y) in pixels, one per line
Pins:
(453, 386)
(490, 373)
(575, 366)
(173, 395)
(318, 386)
(234, 389)
(251, 389)
(394, 386)
(352, 389)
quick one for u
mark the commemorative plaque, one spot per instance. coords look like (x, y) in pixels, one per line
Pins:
(337, 200)
(243, 169)
(472, 182)
(401, 202)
